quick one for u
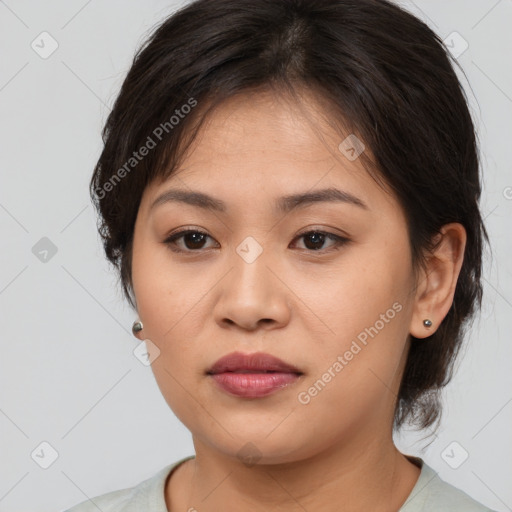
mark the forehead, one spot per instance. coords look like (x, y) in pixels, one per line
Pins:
(268, 123)
(257, 145)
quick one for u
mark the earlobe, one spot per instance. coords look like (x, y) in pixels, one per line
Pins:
(436, 284)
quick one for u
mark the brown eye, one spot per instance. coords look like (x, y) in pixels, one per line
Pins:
(192, 240)
(315, 240)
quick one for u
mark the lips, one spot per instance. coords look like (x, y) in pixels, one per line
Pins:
(251, 363)
(252, 375)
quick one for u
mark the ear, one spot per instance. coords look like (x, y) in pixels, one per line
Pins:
(436, 282)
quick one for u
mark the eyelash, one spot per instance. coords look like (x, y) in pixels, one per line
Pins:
(339, 240)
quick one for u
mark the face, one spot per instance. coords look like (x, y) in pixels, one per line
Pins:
(324, 285)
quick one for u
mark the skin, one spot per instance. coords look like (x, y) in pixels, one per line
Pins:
(304, 306)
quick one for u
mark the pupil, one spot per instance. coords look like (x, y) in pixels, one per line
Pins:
(317, 238)
(197, 239)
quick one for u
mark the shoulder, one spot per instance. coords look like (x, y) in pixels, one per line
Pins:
(432, 493)
(110, 502)
(148, 495)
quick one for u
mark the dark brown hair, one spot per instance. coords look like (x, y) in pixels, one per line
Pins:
(384, 74)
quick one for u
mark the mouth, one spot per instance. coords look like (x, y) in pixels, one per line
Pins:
(252, 375)
(250, 371)
(258, 362)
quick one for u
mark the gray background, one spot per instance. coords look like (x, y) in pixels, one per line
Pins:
(68, 374)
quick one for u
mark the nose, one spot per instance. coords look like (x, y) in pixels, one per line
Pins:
(252, 297)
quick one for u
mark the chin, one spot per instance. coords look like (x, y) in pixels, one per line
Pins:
(259, 445)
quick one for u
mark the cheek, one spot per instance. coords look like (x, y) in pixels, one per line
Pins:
(367, 309)
(356, 375)
(172, 302)
(353, 295)
(166, 293)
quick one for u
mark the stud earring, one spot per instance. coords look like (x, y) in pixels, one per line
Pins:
(427, 323)
(137, 327)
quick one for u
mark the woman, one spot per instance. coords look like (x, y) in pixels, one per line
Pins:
(289, 191)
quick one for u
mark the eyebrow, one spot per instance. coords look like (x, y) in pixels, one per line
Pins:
(283, 204)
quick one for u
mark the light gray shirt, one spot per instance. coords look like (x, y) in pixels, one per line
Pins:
(429, 494)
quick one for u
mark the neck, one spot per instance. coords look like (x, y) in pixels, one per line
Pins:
(348, 476)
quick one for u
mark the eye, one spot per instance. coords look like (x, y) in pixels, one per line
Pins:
(315, 239)
(193, 240)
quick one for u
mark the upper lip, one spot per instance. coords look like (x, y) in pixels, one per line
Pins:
(238, 361)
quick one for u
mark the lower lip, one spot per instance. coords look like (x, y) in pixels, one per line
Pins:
(253, 385)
